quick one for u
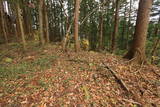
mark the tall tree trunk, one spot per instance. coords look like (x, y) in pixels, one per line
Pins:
(101, 33)
(3, 22)
(21, 26)
(17, 29)
(76, 20)
(155, 47)
(158, 39)
(129, 24)
(42, 41)
(26, 18)
(101, 28)
(65, 24)
(46, 23)
(27, 21)
(115, 31)
(124, 29)
(137, 50)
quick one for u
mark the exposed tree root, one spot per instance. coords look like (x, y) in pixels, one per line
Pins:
(136, 56)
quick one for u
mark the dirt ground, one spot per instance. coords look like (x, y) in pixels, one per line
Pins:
(83, 79)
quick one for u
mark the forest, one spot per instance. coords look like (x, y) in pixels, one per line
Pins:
(79, 53)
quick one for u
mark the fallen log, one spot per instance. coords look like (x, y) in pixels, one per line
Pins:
(123, 85)
(119, 80)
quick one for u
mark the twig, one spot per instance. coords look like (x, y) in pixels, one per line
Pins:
(140, 68)
(131, 101)
(120, 81)
(123, 85)
(155, 72)
(129, 61)
(64, 10)
(79, 61)
(85, 18)
(6, 53)
(88, 15)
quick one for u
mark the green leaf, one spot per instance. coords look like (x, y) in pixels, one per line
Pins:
(85, 89)
(134, 105)
(1, 94)
(8, 60)
(91, 64)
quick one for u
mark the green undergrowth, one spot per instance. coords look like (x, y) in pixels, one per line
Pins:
(14, 70)
(11, 70)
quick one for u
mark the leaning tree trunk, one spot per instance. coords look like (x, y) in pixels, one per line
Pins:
(3, 22)
(42, 41)
(21, 26)
(137, 50)
(77, 6)
(115, 31)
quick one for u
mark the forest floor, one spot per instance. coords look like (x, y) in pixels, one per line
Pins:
(47, 77)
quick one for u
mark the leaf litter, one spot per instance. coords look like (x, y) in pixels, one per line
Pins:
(81, 80)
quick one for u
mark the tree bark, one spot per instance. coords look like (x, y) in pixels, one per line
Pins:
(101, 28)
(101, 33)
(3, 22)
(115, 31)
(129, 24)
(27, 21)
(76, 21)
(137, 50)
(42, 41)
(46, 23)
(21, 26)
(124, 28)
(155, 46)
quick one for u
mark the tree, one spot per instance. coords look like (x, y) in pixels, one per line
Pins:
(155, 46)
(129, 22)
(77, 6)
(27, 19)
(101, 23)
(3, 22)
(20, 22)
(46, 29)
(41, 22)
(124, 26)
(115, 31)
(137, 50)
